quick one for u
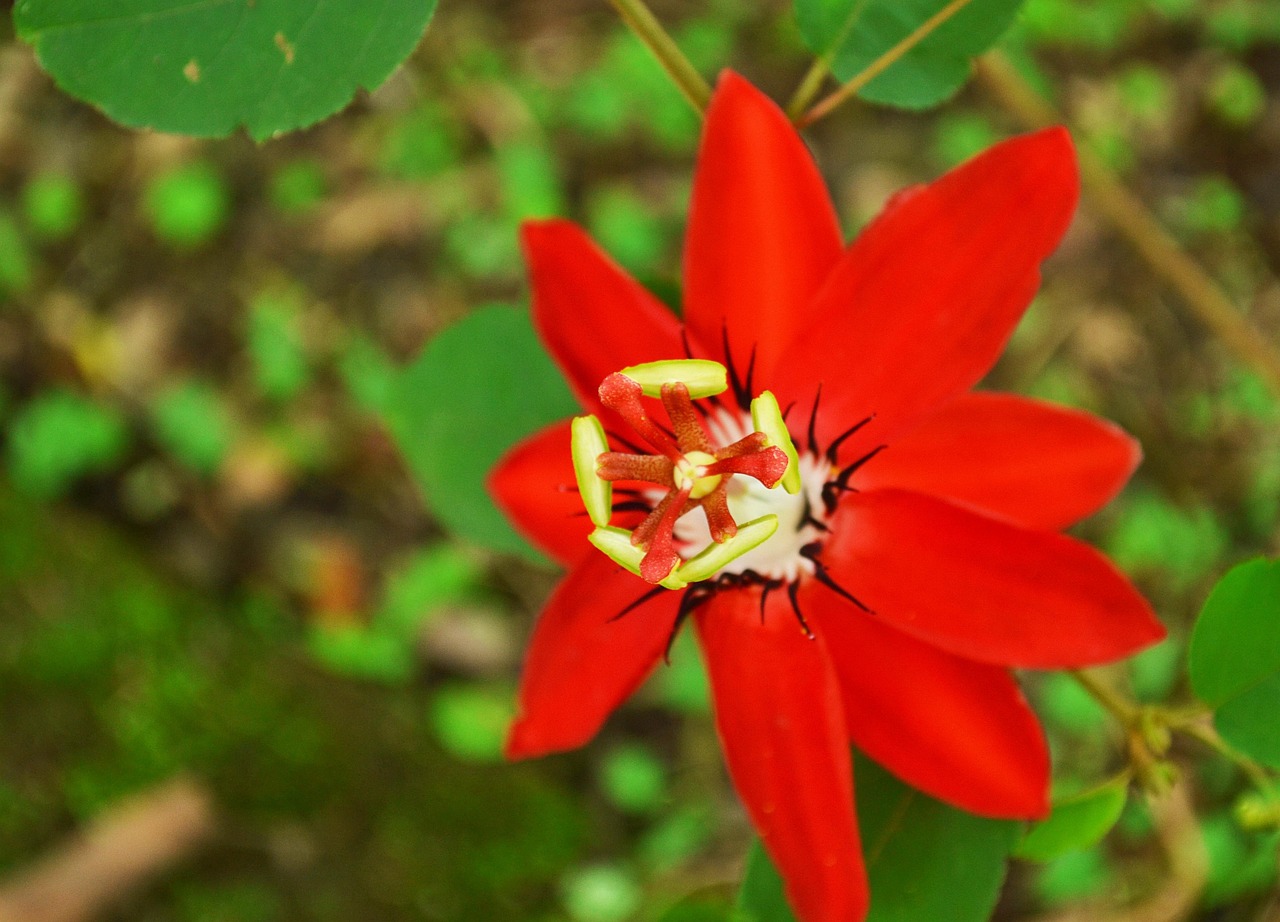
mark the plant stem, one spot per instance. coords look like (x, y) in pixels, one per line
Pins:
(882, 63)
(640, 20)
(821, 66)
(1198, 729)
(1129, 715)
(1123, 710)
(808, 88)
(1128, 215)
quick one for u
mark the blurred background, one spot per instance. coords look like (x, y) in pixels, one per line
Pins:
(232, 629)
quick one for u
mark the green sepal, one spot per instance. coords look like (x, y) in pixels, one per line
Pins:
(766, 417)
(714, 556)
(588, 443)
(703, 377)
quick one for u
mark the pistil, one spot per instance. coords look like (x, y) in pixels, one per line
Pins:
(685, 463)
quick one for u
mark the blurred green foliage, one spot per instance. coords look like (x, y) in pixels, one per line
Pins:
(59, 437)
(53, 205)
(192, 423)
(176, 386)
(187, 205)
(151, 680)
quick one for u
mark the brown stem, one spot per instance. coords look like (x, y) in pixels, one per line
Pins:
(120, 851)
(1128, 215)
(808, 89)
(640, 20)
(882, 63)
(811, 83)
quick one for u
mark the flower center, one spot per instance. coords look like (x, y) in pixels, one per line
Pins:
(691, 474)
(799, 514)
(688, 470)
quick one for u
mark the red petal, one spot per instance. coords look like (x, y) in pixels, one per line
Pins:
(534, 485)
(921, 304)
(956, 729)
(762, 233)
(779, 716)
(1038, 465)
(984, 589)
(581, 664)
(594, 318)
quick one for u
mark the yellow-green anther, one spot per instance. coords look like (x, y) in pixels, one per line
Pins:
(615, 543)
(589, 442)
(766, 417)
(707, 563)
(702, 377)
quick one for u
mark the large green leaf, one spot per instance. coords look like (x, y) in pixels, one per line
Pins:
(854, 33)
(925, 860)
(1076, 823)
(205, 67)
(1235, 658)
(476, 389)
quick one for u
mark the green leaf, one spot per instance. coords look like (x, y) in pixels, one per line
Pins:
(1235, 658)
(1076, 823)
(1074, 876)
(54, 206)
(16, 265)
(761, 898)
(1240, 862)
(601, 893)
(191, 422)
(905, 832)
(205, 67)
(634, 778)
(471, 721)
(855, 33)
(362, 653)
(925, 860)
(280, 365)
(477, 388)
(60, 436)
(187, 205)
(433, 577)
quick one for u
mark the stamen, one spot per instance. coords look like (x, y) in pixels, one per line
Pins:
(750, 535)
(689, 468)
(588, 443)
(615, 543)
(767, 418)
(702, 377)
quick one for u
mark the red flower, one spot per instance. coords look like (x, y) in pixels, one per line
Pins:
(901, 584)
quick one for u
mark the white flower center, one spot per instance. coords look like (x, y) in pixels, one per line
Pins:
(779, 557)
